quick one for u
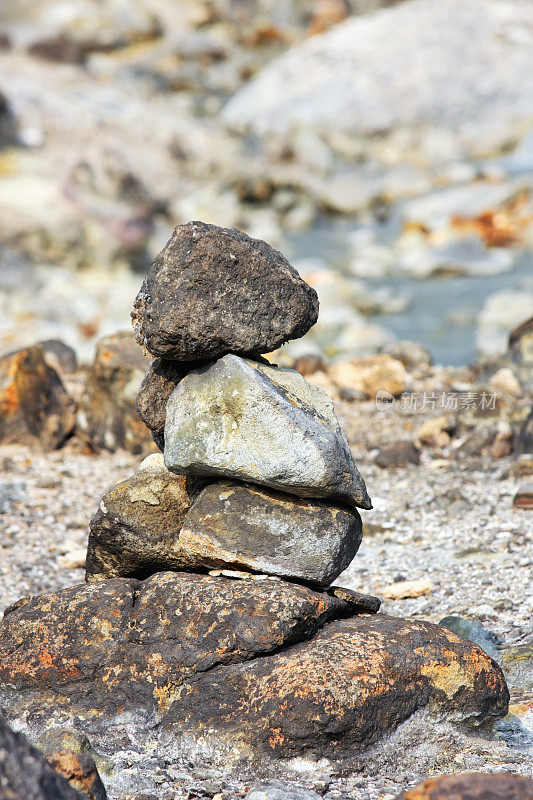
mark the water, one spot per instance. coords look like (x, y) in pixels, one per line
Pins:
(443, 309)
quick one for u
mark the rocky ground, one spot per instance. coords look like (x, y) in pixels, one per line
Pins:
(447, 523)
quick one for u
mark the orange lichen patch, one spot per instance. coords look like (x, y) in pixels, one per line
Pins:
(163, 696)
(500, 227)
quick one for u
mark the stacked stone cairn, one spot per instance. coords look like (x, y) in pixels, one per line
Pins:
(208, 605)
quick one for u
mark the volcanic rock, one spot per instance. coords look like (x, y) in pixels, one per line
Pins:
(253, 665)
(472, 786)
(107, 413)
(25, 774)
(33, 400)
(80, 771)
(244, 526)
(135, 531)
(215, 290)
(352, 682)
(159, 382)
(254, 422)
(125, 644)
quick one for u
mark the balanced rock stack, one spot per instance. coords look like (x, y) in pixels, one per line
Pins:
(209, 602)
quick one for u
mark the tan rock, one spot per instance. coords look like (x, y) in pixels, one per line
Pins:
(405, 589)
(435, 432)
(369, 375)
(504, 382)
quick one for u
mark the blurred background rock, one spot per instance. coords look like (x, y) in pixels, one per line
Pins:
(385, 147)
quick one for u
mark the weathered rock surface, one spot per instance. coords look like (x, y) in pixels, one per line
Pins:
(25, 774)
(255, 665)
(80, 771)
(355, 680)
(244, 526)
(33, 400)
(215, 290)
(266, 425)
(125, 644)
(333, 82)
(472, 786)
(135, 531)
(107, 413)
(159, 382)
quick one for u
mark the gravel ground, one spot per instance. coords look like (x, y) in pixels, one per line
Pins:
(449, 519)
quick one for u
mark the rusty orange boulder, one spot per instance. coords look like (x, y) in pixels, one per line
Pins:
(264, 667)
(353, 682)
(34, 404)
(472, 786)
(107, 415)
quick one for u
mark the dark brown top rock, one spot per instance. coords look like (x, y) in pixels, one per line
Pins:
(215, 290)
(472, 786)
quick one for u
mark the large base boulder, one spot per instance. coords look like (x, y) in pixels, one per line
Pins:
(263, 668)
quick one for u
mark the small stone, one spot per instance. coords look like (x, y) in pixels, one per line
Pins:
(34, 403)
(524, 496)
(360, 603)
(155, 462)
(370, 375)
(261, 424)
(505, 382)
(398, 454)
(26, 775)
(404, 589)
(159, 382)
(435, 432)
(59, 356)
(215, 290)
(107, 413)
(472, 786)
(412, 354)
(280, 791)
(135, 531)
(80, 771)
(269, 532)
(474, 631)
(74, 558)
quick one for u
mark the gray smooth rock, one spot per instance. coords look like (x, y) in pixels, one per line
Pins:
(262, 424)
(215, 290)
(454, 66)
(244, 526)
